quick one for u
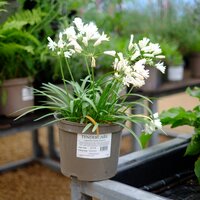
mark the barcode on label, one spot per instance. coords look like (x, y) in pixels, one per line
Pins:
(105, 148)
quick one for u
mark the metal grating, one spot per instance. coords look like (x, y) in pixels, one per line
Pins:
(182, 186)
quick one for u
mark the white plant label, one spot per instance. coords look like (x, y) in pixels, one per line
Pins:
(93, 146)
(27, 94)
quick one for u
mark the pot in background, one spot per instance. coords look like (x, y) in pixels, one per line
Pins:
(175, 73)
(15, 94)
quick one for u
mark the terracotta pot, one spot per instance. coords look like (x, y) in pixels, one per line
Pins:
(89, 156)
(15, 94)
(194, 64)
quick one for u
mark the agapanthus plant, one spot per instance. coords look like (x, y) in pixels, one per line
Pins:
(99, 100)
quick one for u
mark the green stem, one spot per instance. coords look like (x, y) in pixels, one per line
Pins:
(129, 92)
(62, 73)
(88, 69)
(91, 75)
(72, 78)
(63, 77)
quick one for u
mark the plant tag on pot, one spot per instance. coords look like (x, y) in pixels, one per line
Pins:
(92, 146)
(27, 94)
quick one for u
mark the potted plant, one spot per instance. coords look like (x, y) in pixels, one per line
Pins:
(18, 55)
(91, 116)
(179, 117)
(187, 32)
(174, 60)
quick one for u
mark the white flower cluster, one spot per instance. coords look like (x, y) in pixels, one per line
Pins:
(80, 37)
(154, 125)
(132, 67)
(77, 36)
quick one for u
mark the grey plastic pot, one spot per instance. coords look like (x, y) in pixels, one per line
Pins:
(15, 94)
(154, 81)
(88, 156)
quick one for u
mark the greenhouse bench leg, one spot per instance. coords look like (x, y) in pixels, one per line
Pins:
(37, 153)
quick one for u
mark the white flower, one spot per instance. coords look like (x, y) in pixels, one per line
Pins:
(69, 53)
(158, 123)
(102, 37)
(150, 55)
(70, 33)
(155, 115)
(140, 63)
(129, 79)
(143, 43)
(121, 64)
(52, 45)
(79, 25)
(160, 56)
(155, 48)
(126, 81)
(154, 124)
(139, 68)
(160, 66)
(91, 31)
(130, 46)
(77, 47)
(138, 82)
(135, 55)
(61, 43)
(149, 128)
(111, 53)
(85, 41)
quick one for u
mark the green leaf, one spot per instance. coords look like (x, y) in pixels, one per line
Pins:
(72, 106)
(144, 139)
(131, 131)
(195, 92)
(193, 147)
(84, 82)
(23, 18)
(95, 127)
(84, 108)
(90, 103)
(87, 127)
(177, 117)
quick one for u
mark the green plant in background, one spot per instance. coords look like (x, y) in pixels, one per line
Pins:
(2, 6)
(97, 100)
(57, 16)
(186, 29)
(172, 54)
(18, 46)
(51, 12)
(179, 116)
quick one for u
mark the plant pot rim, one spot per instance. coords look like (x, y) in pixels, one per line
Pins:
(81, 124)
(63, 123)
(194, 54)
(17, 81)
(176, 66)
